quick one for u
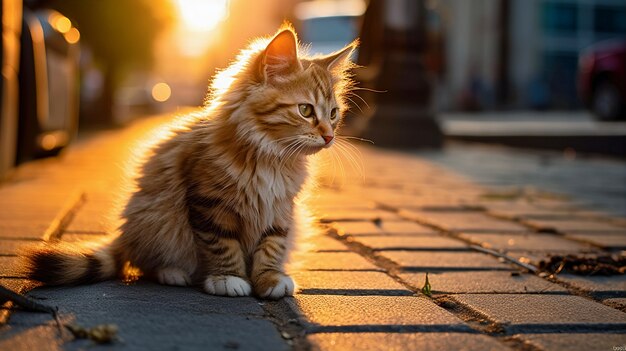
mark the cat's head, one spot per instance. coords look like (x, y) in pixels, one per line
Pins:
(296, 102)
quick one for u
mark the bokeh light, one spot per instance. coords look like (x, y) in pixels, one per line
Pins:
(72, 36)
(60, 23)
(161, 92)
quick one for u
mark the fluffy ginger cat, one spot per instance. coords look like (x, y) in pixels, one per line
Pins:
(214, 202)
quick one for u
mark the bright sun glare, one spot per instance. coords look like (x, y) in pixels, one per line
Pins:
(201, 15)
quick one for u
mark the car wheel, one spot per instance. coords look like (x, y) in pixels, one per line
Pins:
(606, 103)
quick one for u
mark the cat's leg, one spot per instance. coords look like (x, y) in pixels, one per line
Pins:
(224, 266)
(173, 276)
(267, 276)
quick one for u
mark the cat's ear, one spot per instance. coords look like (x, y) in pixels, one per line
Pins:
(281, 55)
(338, 59)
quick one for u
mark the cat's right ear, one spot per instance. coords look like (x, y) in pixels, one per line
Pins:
(280, 57)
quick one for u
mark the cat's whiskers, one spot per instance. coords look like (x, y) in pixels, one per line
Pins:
(292, 142)
(368, 89)
(353, 102)
(355, 138)
(294, 147)
(356, 95)
(354, 159)
(341, 167)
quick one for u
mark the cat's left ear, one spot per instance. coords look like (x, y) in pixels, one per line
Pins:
(338, 59)
(281, 55)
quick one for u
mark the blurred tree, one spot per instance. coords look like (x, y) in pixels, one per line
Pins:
(120, 34)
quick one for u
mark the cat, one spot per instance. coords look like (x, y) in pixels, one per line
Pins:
(214, 202)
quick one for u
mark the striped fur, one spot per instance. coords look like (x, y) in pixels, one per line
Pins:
(214, 202)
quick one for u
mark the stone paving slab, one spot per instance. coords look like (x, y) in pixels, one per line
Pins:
(85, 222)
(33, 230)
(607, 241)
(341, 261)
(526, 210)
(428, 261)
(576, 226)
(386, 227)
(321, 243)
(482, 282)
(160, 320)
(348, 283)
(575, 342)
(597, 285)
(404, 342)
(544, 313)
(421, 242)
(75, 238)
(35, 338)
(358, 215)
(9, 247)
(374, 313)
(10, 267)
(464, 221)
(94, 217)
(526, 242)
(44, 213)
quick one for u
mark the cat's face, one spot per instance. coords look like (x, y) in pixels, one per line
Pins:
(299, 104)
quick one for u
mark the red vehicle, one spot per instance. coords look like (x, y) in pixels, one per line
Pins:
(602, 79)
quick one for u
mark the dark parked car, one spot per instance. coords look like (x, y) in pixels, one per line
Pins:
(39, 90)
(11, 21)
(602, 79)
(48, 78)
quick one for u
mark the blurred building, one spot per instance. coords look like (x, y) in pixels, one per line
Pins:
(517, 53)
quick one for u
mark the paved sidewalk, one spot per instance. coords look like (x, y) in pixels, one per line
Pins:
(385, 221)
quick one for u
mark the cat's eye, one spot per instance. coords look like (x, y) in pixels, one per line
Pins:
(333, 113)
(306, 110)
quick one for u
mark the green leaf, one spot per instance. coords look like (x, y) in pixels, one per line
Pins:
(426, 289)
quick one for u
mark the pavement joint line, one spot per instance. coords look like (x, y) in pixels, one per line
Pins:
(476, 320)
(64, 217)
(392, 269)
(437, 269)
(388, 328)
(502, 337)
(529, 267)
(288, 323)
(419, 249)
(343, 270)
(573, 289)
(551, 278)
(549, 230)
(356, 292)
(52, 233)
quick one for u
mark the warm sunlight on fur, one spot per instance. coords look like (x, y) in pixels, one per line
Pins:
(219, 193)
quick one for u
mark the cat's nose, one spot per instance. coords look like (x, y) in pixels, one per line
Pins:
(327, 138)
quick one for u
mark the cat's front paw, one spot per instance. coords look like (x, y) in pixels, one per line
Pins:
(227, 285)
(274, 285)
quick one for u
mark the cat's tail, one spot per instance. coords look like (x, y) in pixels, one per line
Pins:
(73, 263)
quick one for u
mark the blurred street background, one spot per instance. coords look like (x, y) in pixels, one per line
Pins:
(498, 165)
(535, 75)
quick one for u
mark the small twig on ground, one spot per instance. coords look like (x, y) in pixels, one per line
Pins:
(508, 258)
(101, 334)
(426, 289)
(29, 304)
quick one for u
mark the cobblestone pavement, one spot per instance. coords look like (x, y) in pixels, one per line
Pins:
(384, 222)
(594, 182)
